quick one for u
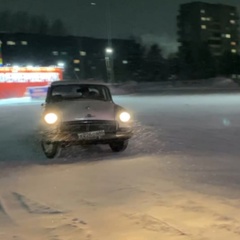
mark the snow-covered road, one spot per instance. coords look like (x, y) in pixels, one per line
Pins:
(178, 180)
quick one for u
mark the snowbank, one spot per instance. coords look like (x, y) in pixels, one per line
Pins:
(219, 83)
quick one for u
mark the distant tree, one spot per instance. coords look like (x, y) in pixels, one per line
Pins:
(13, 22)
(229, 64)
(34, 24)
(197, 62)
(20, 22)
(173, 66)
(186, 57)
(120, 70)
(58, 28)
(44, 27)
(206, 64)
(5, 20)
(155, 68)
(39, 24)
(135, 66)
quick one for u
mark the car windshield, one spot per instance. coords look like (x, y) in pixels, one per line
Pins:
(80, 92)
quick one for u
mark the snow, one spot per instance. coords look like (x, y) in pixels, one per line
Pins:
(179, 179)
(18, 101)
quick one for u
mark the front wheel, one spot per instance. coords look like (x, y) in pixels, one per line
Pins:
(119, 146)
(50, 149)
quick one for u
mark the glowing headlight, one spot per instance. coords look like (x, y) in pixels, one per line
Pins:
(125, 117)
(51, 118)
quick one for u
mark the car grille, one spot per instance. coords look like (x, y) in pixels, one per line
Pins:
(88, 126)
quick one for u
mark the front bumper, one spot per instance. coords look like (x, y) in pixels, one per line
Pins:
(70, 134)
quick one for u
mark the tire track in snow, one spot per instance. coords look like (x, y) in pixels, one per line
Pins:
(39, 220)
(5, 219)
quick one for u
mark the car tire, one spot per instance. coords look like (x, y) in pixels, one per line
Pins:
(119, 146)
(50, 149)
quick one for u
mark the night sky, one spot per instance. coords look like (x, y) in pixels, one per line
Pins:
(153, 19)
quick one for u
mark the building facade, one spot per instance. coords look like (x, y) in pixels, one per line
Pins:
(215, 25)
(81, 57)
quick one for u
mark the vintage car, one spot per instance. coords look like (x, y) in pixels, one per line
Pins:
(78, 113)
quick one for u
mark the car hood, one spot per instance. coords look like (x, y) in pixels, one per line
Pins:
(85, 110)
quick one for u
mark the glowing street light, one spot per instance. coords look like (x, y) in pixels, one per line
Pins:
(109, 50)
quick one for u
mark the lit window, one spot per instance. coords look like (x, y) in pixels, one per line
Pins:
(232, 21)
(204, 27)
(125, 62)
(64, 53)
(205, 19)
(228, 36)
(77, 69)
(82, 53)
(234, 51)
(24, 43)
(76, 61)
(11, 43)
(55, 53)
(233, 43)
(203, 11)
(232, 14)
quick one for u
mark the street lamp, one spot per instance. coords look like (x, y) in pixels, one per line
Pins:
(109, 51)
(109, 63)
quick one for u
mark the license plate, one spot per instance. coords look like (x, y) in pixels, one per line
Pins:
(91, 135)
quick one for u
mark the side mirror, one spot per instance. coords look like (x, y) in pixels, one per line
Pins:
(43, 105)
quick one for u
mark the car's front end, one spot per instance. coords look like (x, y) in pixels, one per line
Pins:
(86, 131)
(70, 117)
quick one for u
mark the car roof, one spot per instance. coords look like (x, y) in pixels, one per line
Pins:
(62, 83)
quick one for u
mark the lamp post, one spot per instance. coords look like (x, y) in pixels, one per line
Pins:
(109, 64)
(109, 51)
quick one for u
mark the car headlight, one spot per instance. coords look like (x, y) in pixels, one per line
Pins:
(125, 117)
(51, 118)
